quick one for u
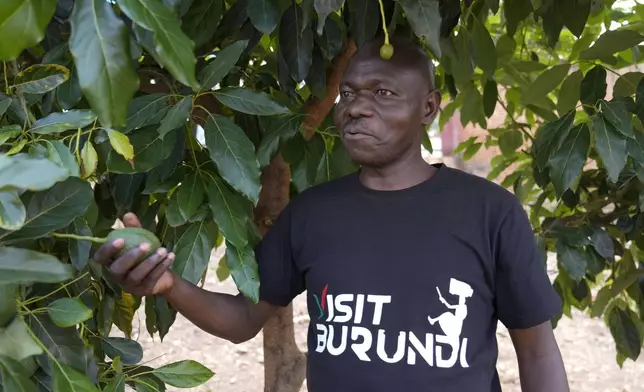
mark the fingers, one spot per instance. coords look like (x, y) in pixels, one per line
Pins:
(105, 253)
(151, 280)
(123, 264)
(136, 276)
(131, 220)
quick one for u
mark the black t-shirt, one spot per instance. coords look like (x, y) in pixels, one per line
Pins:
(404, 288)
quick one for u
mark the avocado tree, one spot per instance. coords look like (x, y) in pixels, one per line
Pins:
(204, 117)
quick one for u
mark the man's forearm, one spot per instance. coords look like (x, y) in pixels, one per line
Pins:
(222, 315)
(543, 374)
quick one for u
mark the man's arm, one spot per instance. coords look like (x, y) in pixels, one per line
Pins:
(541, 367)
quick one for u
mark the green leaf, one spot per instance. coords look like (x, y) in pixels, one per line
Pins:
(611, 42)
(24, 172)
(148, 383)
(4, 105)
(570, 92)
(116, 384)
(52, 209)
(79, 251)
(8, 303)
(176, 117)
(626, 84)
(628, 340)
(146, 110)
(490, 97)
(18, 265)
(226, 59)
(174, 48)
(509, 141)
(234, 154)
(193, 250)
(68, 379)
(8, 132)
(484, 50)
(250, 102)
(121, 144)
(304, 171)
(572, 260)
(12, 211)
(297, 49)
(123, 313)
(610, 145)
(89, 159)
(425, 19)
(60, 122)
(593, 87)
(70, 92)
(149, 152)
(575, 15)
(323, 9)
(546, 82)
(15, 340)
(244, 270)
(364, 19)
(603, 243)
(616, 112)
(515, 11)
(15, 377)
(41, 78)
(277, 131)
(264, 14)
(100, 46)
(568, 160)
(190, 195)
(230, 210)
(22, 25)
(60, 154)
(67, 312)
(183, 374)
(201, 20)
(129, 351)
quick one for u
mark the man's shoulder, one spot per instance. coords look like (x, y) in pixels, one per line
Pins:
(323, 192)
(481, 189)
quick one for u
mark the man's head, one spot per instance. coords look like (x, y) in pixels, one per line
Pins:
(385, 105)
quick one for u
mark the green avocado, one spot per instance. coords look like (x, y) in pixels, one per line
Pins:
(133, 237)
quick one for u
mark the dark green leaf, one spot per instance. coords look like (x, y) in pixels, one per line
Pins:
(572, 260)
(297, 49)
(15, 377)
(323, 9)
(129, 351)
(490, 97)
(230, 210)
(611, 42)
(176, 117)
(41, 78)
(264, 14)
(148, 383)
(190, 195)
(243, 268)
(610, 145)
(149, 151)
(484, 50)
(146, 110)
(627, 84)
(70, 93)
(193, 251)
(4, 105)
(52, 209)
(150, 315)
(226, 59)
(277, 131)
(425, 19)
(165, 316)
(575, 14)
(201, 20)
(616, 112)
(100, 46)
(472, 108)
(515, 11)
(593, 86)
(8, 303)
(250, 102)
(570, 92)
(79, 251)
(22, 25)
(234, 154)
(183, 374)
(18, 265)
(546, 82)
(117, 384)
(509, 141)
(567, 162)
(174, 48)
(365, 16)
(12, 211)
(628, 341)
(15, 340)
(60, 154)
(68, 379)
(67, 312)
(60, 122)
(304, 171)
(603, 243)
(332, 39)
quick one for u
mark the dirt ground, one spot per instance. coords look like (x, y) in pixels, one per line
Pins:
(586, 344)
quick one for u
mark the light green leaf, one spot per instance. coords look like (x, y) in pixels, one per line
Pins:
(226, 59)
(121, 144)
(174, 48)
(8, 132)
(60, 122)
(509, 141)
(129, 351)
(611, 42)
(568, 160)
(89, 159)
(484, 50)
(628, 340)
(100, 46)
(277, 130)
(572, 260)
(425, 19)
(60, 154)
(296, 49)
(52, 209)
(230, 210)
(41, 78)
(234, 154)
(12, 211)
(8, 302)
(546, 82)
(244, 270)
(183, 374)
(323, 9)
(193, 249)
(570, 92)
(123, 313)
(15, 377)
(610, 145)
(251, 102)
(176, 117)
(68, 379)
(149, 151)
(264, 14)
(15, 340)
(18, 265)
(23, 172)
(67, 312)
(22, 25)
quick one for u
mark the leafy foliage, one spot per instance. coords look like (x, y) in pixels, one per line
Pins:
(172, 109)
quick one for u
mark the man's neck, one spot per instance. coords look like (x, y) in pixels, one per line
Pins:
(399, 175)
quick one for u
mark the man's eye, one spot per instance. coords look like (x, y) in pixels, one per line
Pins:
(384, 92)
(345, 94)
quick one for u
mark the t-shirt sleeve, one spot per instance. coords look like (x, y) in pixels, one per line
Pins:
(524, 294)
(280, 279)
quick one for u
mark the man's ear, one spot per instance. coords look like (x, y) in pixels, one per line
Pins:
(431, 106)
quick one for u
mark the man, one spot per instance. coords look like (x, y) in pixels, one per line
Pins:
(407, 266)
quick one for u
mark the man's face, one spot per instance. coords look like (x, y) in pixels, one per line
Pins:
(382, 110)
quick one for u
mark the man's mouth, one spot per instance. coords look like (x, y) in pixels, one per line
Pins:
(356, 133)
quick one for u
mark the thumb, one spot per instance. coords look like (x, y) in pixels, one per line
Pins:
(131, 220)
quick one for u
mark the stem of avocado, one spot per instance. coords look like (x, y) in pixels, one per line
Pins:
(80, 238)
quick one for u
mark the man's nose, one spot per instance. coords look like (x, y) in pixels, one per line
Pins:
(360, 106)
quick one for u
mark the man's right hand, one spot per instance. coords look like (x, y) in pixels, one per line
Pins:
(151, 277)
